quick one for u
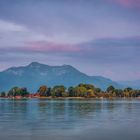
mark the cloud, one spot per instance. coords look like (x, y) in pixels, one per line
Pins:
(14, 35)
(127, 3)
(105, 50)
(44, 46)
(72, 21)
(11, 27)
(41, 47)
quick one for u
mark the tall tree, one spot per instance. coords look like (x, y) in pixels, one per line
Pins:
(2, 94)
(43, 90)
(71, 91)
(110, 89)
(80, 91)
(58, 90)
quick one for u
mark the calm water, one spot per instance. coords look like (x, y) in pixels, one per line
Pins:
(38, 119)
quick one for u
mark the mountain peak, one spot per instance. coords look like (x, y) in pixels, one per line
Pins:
(34, 64)
(68, 66)
(37, 65)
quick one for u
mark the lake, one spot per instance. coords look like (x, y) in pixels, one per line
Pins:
(43, 119)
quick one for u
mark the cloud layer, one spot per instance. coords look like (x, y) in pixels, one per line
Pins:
(98, 37)
(128, 3)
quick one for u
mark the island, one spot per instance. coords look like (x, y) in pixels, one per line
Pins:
(80, 91)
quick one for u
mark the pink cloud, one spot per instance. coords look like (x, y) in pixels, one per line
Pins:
(43, 46)
(127, 3)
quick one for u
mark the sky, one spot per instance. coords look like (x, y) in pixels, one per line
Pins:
(98, 37)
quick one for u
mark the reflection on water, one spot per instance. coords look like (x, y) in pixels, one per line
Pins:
(38, 119)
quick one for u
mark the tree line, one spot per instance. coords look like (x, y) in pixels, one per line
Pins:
(81, 90)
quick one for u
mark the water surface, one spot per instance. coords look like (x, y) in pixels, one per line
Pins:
(41, 119)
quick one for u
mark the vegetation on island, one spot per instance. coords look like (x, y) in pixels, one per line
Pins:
(81, 90)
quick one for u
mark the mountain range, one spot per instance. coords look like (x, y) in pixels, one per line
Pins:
(135, 84)
(35, 74)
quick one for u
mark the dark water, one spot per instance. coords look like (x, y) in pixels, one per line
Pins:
(69, 119)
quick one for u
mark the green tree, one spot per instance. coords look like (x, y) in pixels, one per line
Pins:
(14, 92)
(87, 86)
(43, 90)
(80, 91)
(128, 92)
(110, 89)
(71, 91)
(119, 92)
(24, 92)
(97, 92)
(58, 90)
(90, 93)
(64, 94)
(49, 92)
(3, 94)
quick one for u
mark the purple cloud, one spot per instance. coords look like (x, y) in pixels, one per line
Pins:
(44, 46)
(127, 3)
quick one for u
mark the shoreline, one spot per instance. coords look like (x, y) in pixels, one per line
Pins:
(69, 98)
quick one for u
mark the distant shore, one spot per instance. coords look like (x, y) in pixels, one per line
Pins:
(81, 91)
(69, 98)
